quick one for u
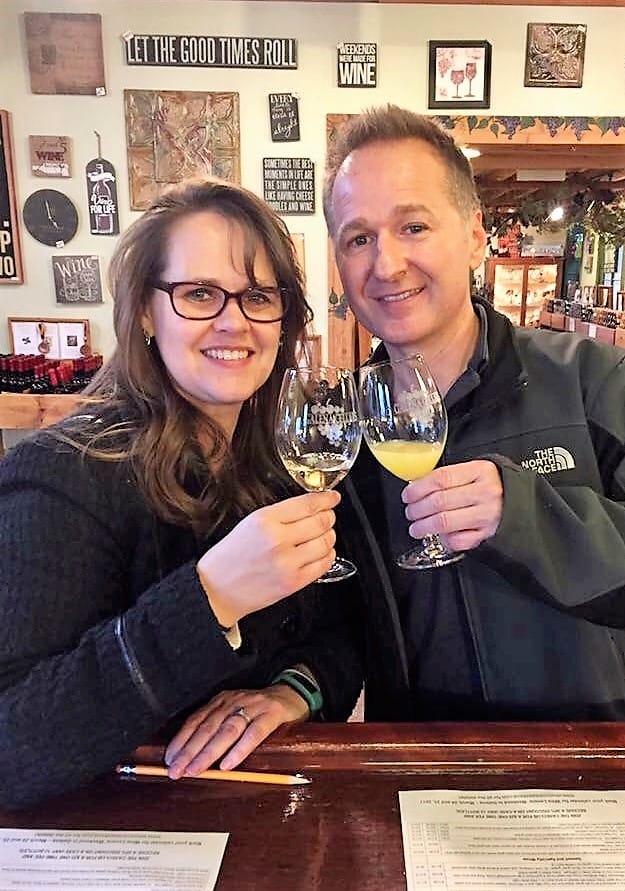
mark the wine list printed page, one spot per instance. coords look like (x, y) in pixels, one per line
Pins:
(543, 839)
(133, 861)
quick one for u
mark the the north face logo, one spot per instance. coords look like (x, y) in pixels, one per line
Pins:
(549, 460)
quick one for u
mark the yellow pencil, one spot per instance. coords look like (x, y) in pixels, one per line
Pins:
(240, 776)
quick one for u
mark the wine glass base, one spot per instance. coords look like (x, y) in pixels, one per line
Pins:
(340, 569)
(429, 557)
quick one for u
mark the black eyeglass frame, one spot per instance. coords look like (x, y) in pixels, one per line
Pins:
(169, 287)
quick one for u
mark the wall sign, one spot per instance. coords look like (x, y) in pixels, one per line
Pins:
(284, 117)
(357, 64)
(201, 51)
(65, 53)
(77, 279)
(102, 193)
(50, 155)
(10, 253)
(289, 185)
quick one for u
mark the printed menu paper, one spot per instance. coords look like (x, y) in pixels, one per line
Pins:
(532, 838)
(133, 861)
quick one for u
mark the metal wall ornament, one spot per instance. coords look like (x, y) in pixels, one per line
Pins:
(554, 55)
(50, 217)
(172, 135)
(10, 249)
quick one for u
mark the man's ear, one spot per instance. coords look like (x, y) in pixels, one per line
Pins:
(477, 236)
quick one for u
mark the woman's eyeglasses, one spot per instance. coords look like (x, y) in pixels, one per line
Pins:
(200, 301)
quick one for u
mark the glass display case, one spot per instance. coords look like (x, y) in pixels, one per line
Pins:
(519, 287)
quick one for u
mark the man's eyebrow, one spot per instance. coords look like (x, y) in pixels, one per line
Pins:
(400, 210)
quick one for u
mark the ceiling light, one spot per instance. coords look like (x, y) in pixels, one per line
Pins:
(470, 152)
(556, 214)
(543, 176)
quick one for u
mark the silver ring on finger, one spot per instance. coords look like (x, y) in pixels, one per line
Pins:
(241, 713)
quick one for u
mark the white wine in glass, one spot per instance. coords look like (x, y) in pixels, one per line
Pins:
(318, 434)
(405, 426)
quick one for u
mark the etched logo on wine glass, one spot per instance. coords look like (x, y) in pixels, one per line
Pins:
(331, 421)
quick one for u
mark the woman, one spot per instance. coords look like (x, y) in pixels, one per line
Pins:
(148, 544)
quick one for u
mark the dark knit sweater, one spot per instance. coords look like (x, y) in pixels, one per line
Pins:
(107, 634)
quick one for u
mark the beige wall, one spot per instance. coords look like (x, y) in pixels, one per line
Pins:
(401, 31)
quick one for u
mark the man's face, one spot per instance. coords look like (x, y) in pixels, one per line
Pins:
(402, 247)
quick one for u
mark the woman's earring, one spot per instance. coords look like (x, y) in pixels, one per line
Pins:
(147, 337)
(281, 340)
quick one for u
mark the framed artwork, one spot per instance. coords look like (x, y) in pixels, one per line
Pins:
(459, 74)
(10, 249)
(172, 135)
(554, 55)
(65, 53)
(53, 338)
(50, 155)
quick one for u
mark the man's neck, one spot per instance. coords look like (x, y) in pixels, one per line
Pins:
(448, 360)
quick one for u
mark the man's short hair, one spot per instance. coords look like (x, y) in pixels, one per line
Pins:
(389, 123)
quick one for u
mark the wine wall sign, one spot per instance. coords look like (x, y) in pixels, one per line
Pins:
(10, 252)
(289, 185)
(102, 193)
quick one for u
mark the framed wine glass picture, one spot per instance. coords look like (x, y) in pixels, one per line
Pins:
(459, 74)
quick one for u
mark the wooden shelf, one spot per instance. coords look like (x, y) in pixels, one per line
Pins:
(29, 411)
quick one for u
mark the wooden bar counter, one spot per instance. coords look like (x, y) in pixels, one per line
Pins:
(26, 411)
(342, 832)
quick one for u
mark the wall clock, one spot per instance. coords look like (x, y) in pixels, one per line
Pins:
(50, 217)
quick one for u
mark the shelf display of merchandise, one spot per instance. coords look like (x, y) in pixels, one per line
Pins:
(520, 286)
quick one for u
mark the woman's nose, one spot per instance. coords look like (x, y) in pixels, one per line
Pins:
(231, 317)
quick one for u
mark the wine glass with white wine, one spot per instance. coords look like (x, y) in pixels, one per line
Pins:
(405, 426)
(318, 434)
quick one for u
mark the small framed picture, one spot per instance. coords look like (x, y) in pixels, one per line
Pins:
(459, 74)
(554, 55)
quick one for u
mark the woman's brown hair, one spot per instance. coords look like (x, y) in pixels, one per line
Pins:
(146, 421)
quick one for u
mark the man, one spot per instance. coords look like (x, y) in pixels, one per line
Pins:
(532, 481)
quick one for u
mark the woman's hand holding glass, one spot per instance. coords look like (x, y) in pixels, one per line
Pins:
(271, 553)
(318, 434)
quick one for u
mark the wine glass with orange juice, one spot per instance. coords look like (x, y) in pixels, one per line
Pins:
(405, 426)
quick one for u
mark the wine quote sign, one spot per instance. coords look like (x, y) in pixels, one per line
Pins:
(289, 185)
(77, 279)
(10, 253)
(102, 194)
(284, 117)
(357, 64)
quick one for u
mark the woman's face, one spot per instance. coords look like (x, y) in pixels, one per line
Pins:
(219, 363)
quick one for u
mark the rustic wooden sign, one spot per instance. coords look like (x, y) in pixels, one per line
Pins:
(10, 250)
(289, 185)
(50, 155)
(65, 53)
(284, 117)
(202, 51)
(357, 64)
